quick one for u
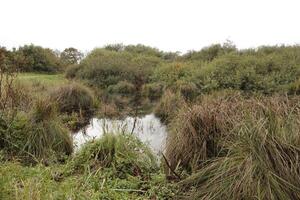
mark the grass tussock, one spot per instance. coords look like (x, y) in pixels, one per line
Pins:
(238, 148)
(74, 97)
(35, 136)
(122, 153)
(168, 105)
(194, 135)
(262, 162)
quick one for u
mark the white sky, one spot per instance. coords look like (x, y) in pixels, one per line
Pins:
(170, 25)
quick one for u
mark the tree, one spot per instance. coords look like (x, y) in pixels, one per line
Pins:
(36, 58)
(71, 56)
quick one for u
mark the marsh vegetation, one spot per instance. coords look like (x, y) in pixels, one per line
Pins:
(134, 122)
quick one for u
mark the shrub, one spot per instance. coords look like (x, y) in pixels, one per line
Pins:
(211, 52)
(103, 68)
(74, 97)
(258, 73)
(122, 87)
(170, 73)
(153, 90)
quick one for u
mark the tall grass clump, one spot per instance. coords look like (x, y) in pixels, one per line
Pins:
(258, 158)
(74, 97)
(35, 136)
(122, 153)
(195, 132)
(168, 105)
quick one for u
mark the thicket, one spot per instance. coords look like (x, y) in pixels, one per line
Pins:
(266, 70)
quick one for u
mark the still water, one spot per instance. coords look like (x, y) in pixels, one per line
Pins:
(148, 128)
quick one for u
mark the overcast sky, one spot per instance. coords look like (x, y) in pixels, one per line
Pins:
(170, 25)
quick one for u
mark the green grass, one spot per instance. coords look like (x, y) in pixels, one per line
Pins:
(39, 84)
(40, 182)
(113, 167)
(45, 79)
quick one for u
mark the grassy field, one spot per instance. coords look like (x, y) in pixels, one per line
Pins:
(45, 79)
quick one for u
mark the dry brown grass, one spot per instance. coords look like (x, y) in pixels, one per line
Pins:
(237, 147)
(168, 105)
(74, 97)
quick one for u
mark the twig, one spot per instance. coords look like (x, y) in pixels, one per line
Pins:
(169, 166)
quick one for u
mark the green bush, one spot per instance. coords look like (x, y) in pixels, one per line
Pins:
(153, 90)
(170, 73)
(104, 68)
(122, 87)
(211, 52)
(252, 73)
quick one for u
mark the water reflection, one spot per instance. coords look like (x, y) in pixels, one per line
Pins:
(148, 128)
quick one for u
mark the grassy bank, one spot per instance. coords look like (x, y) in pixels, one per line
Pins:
(113, 167)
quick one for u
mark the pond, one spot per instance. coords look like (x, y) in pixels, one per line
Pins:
(147, 128)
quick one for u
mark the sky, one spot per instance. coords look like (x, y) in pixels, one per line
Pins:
(170, 25)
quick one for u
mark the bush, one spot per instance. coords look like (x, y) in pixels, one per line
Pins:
(253, 73)
(122, 153)
(153, 90)
(170, 73)
(74, 97)
(103, 68)
(122, 87)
